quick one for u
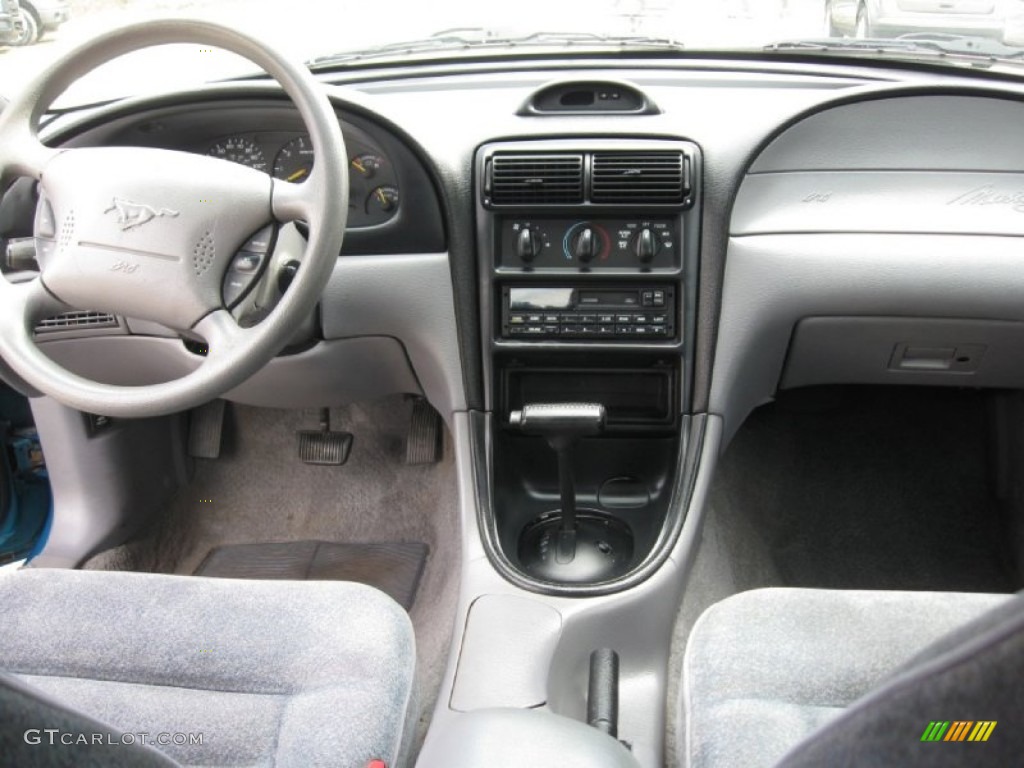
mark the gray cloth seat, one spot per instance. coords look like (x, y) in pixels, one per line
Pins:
(267, 673)
(820, 677)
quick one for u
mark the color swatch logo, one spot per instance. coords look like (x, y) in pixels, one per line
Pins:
(958, 730)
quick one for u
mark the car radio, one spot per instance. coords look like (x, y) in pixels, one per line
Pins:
(603, 313)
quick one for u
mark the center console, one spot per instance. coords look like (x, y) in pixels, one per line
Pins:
(588, 271)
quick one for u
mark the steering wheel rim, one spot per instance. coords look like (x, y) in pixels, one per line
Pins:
(86, 268)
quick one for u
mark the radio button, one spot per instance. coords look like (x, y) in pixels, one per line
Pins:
(550, 318)
(517, 319)
(606, 330)
(623, 319)
(659, 319)
(534, 319)
(588, 319)
(641, 319)
(659, 298)
(569, 318)
(606, 319)
(658, 330)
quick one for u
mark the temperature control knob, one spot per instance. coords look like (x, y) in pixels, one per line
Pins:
(646, 245)
(586, 245)
(528, 244)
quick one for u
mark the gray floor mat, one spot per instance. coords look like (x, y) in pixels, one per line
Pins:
(392, 568)
(868, 489)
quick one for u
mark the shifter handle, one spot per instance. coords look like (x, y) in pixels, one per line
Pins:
(562, 420)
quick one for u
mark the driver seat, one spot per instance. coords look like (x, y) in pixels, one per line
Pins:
(257, 672)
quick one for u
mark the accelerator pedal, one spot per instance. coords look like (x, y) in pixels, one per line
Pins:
(423, 445)
(205, 428)
(322, 446)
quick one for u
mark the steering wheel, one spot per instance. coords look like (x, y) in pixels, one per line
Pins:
(150, 233)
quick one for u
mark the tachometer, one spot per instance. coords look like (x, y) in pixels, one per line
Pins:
(240, 150)
(295, 160)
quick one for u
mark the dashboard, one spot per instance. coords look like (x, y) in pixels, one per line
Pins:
(831, 160)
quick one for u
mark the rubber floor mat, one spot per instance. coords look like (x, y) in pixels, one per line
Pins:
(392, 568)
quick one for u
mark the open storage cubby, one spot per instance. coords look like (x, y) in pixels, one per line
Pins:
(626, 473)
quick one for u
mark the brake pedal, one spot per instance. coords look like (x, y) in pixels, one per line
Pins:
(423, 445)
(205, 428)
(322, 446)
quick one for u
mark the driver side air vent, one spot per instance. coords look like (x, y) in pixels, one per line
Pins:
(528, 179)
(74, 321)
(640, 177)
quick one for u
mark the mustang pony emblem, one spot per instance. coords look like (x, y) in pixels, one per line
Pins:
(131, 215)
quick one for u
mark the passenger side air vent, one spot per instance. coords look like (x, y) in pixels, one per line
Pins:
(630, 178)
(74, 321)
(530, 179)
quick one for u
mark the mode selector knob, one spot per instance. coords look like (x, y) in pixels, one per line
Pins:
(646, 245)
(586, 245)
(528, 244)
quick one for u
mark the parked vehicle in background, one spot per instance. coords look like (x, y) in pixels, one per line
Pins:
(10, 21)
(892, 18)
(39, 17)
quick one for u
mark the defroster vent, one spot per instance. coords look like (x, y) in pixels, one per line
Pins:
(630, 178)
(530, 179)
(74, 321)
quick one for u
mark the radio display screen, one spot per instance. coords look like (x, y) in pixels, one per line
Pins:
(540, 298)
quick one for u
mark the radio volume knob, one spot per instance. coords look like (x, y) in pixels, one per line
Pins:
(646, 245)
(528, 244)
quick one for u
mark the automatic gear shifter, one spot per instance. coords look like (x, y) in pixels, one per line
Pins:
(570, 545)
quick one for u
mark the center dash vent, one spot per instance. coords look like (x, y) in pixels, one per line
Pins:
(640, 177)
(528, 179)
(74, 321)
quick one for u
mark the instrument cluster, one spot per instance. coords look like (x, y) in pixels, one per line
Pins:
(374, 193)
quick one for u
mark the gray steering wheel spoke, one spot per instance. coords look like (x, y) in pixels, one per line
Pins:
(221, 333)
(294, 202)
(22, 154)
(26, 303)
(31, 156)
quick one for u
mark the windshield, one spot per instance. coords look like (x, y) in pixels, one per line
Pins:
(338, 33)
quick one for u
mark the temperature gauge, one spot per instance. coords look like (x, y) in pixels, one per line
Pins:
(382, 200)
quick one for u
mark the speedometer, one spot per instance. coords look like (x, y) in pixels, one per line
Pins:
(240, 150)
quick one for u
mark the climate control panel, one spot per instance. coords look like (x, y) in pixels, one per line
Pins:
(588, 244)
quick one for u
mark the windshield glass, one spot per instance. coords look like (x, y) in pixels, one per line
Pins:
(336, 33)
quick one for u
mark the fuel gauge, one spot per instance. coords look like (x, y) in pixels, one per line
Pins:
(382, 201)
(367, 165)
